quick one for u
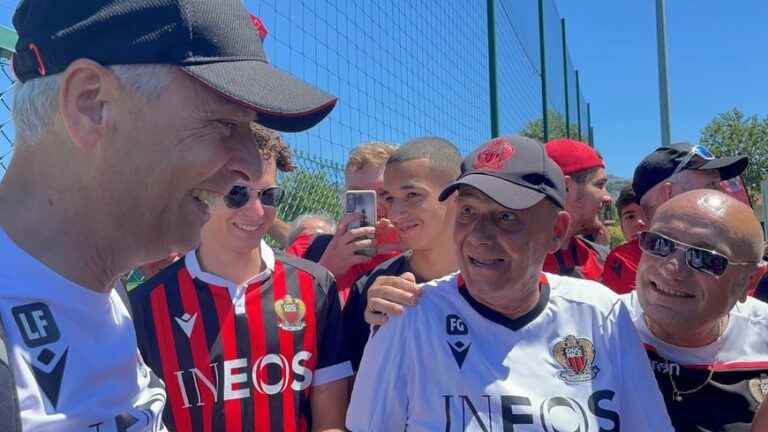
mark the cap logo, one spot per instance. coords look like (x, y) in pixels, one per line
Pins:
(263, 32)
(494, 155)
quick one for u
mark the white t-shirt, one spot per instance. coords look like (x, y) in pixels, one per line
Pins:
(451, 364)
(73, 351)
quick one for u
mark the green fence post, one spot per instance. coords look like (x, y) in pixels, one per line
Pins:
(565, 81)
(492, 83)
(578, 103)
(8, 38)
(592, 136)
(589, 123)
(542, 54)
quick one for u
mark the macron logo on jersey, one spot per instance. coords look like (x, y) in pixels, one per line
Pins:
(455, 328)
(187, 323)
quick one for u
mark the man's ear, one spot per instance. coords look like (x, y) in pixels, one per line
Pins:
(85, 92)
(560, 230)
(754, 281)
(665, 190)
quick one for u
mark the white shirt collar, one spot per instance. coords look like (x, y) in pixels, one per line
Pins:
(193, 266)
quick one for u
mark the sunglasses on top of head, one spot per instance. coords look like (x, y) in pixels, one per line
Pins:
(706, 261)
(240, 195)
(698, 151)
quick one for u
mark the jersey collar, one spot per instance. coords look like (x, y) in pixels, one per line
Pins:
(492, 315)
(193, 265)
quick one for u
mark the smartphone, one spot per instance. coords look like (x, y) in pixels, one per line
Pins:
(362, 201)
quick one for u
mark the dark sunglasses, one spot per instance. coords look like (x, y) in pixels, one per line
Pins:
(240, 195)
(697, 151)
(703, 260)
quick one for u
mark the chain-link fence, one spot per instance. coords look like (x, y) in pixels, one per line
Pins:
(408, 68)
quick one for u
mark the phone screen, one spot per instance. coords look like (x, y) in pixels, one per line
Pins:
(364, 202)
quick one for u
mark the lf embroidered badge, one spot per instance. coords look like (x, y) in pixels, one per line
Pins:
(290, 312)
(577, 358)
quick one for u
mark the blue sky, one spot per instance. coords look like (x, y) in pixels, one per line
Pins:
(717, 61)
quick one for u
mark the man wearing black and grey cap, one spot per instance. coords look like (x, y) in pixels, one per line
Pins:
(502, 344)
(132, 120)
(681, 167)
(663, 174)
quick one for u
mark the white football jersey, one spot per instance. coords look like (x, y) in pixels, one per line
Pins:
(73, 351)
(452, 364)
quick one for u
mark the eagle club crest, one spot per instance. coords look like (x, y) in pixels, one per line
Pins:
(577, 357)
(494, 155)
(759, 387)
(290, 312)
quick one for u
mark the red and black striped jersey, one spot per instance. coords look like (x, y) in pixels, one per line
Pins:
(241, 357)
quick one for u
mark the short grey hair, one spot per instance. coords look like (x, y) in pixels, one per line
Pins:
(295, 229)
(35, 102)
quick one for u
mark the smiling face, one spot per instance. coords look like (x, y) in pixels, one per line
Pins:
(499, 248)
(678, 298)
(242, 229)
(410, 195)
(168, 159)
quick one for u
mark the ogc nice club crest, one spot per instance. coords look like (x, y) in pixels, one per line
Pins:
(577, 357)
(290, 312)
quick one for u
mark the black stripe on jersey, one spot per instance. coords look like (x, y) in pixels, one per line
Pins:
(140, 300)
(212, 328)
(183, 349)
(725, 401)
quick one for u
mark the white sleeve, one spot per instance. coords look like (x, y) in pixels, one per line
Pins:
(642, 406)
(380, 395)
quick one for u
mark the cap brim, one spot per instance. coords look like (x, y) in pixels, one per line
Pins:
(507, 194)
(282, 102)
(729, 167)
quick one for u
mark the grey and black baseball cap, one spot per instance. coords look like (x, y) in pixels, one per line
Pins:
(666, 161)
(514, 171)
(213, 41)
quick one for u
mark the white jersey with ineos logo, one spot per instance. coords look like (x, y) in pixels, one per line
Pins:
(73, 352)
(574, 363)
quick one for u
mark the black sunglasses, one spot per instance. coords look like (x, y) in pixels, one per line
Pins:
(240, 195)
(699, 259)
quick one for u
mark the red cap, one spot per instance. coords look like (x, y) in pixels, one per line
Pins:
(573, 156)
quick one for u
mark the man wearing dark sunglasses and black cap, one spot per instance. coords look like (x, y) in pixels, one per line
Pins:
(706, 339)
(131, 117)
(667, 172)
(266, 327)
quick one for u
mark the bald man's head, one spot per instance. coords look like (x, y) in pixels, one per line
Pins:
(728, 218)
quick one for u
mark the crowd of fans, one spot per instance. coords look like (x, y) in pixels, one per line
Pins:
(490, 303)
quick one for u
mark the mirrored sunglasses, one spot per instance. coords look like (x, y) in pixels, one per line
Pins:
(699, 259)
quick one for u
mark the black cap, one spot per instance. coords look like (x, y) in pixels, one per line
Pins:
(514, 171)
(214, 41)
(662, 163)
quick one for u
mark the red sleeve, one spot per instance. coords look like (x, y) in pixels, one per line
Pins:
(300, 245)
(620, 268)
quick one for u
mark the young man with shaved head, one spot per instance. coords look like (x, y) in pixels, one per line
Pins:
(705, 337)
(414, 176)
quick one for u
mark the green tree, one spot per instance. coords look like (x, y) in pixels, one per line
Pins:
(535, 129)
(733, 134)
